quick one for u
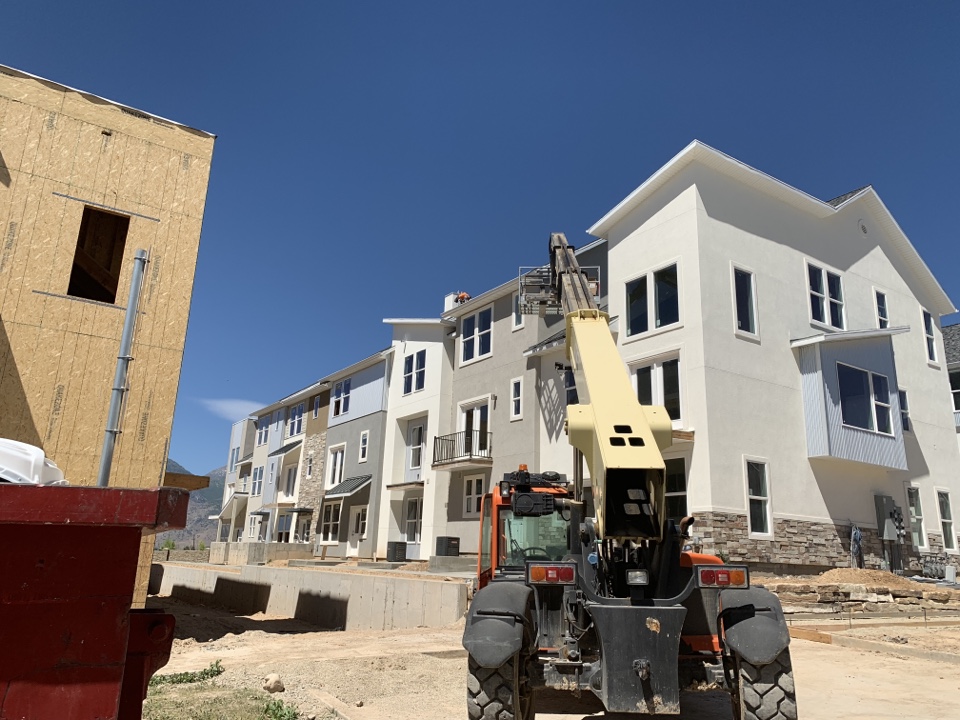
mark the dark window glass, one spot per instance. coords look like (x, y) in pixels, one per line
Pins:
(667, 296)
(743, 283)
(676, 475)
(637, 306)
(645, 385)
(671, 388)
(855, 397)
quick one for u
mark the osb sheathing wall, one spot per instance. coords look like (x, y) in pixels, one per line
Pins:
(59, 151)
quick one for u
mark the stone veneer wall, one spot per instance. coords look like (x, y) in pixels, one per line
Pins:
(800, 543)
(311, 488)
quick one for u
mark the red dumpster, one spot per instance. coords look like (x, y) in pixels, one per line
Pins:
(71, 647)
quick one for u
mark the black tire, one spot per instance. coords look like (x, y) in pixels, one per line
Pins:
(765, 692)
(501, 693)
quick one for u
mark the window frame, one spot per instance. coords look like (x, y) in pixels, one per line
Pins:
(874, 403)
(263, 432)
(658, 394)
(474, 498)
(938, 491)
(517, 319)
(516, 399)
(256, 481)
(686, 483)
(955, 393)
(417, 425)
(414, 376)
(418, 520)
(330, 526)
(825, 272)
(290, 482)
(309, 469)
(929, 337)
(336, 469)
(295, 420)
(253, 526)
(883, 319)
(906, 424)
(649, 276)
(754, 305)
(341, 401)
(364, 452)
(910, 517)
(475, 337)
(316, 406)
(361, 516)
(767, 499)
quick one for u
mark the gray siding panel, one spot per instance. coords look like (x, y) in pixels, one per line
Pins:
(814, 412)
(367, 392)
(875, 355)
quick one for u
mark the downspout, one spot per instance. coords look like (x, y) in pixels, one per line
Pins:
(123, 364)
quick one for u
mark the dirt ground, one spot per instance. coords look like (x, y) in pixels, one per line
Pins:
(419, 674)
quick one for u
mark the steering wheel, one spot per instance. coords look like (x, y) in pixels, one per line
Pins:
(531, 553)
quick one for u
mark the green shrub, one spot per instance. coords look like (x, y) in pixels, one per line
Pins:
(188, 677)
(276, 710)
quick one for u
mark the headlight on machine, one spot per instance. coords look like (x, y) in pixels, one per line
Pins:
(638, 577)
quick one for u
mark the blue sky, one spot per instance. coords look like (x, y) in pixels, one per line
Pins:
(374, 156)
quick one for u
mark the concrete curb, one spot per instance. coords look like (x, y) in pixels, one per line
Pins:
(872, 646)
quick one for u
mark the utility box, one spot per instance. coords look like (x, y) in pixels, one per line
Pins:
(396, 551)
(448, 546)
(72, 646)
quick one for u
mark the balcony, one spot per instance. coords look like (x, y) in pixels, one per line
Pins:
(465, 450)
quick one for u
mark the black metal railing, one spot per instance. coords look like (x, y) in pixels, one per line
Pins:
(462, 446)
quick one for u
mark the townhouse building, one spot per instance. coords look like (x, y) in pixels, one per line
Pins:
(794, 342)
(353, 479)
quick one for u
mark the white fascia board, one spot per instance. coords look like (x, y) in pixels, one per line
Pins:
(418, 321)
(943, 305)
(475, 303)
(701, 152)
(843, 335)
(357, 367)
(24, 74)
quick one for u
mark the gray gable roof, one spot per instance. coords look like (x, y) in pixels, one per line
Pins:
(841, 199)
(951, 343)
(285, 449)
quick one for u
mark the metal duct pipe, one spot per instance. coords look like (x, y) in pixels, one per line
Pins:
(123, 364)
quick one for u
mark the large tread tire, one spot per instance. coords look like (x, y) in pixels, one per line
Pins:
(765, 692)
(498, 693)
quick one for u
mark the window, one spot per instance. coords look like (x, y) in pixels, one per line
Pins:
(414, 372)
(364, 445)
(946, 520)
(256, 487)
(416, 446)
(472, 494)
(516, 399)
(955, 388)
(826, 297)
(263, 429)
(917, 535)
(676, 489)
(234, 457)
(904, 411)
(310, 466)
(475, 420)
(928, 334)
(746, 301)
(864, 399)
(883, 319)
(663, 304)
(96, 262)
(570, 387)
(330, 522)
(291, 481)
(341, 398)
(517, 315)
(252, 524)
(658, 383)
(360, 522)
(414, 519)
(336, 466)
(316, 406)
(295, 423)
(758, 496)
(477, 333)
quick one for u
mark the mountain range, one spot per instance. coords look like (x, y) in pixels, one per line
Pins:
(203, 504)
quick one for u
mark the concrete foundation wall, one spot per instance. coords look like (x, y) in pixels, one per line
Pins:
(251, 553)
(328, 599)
